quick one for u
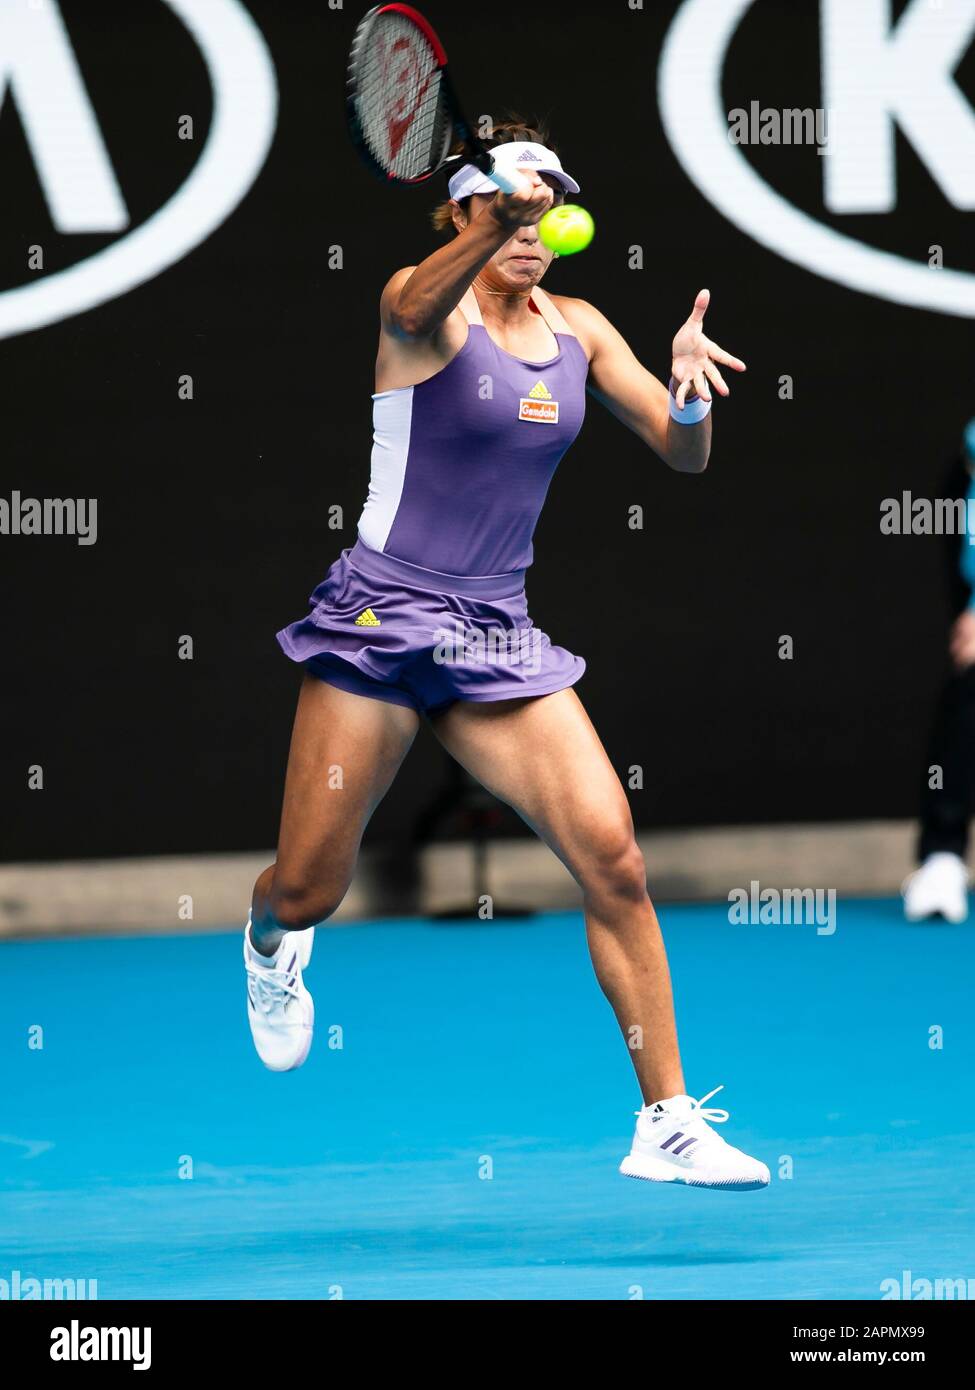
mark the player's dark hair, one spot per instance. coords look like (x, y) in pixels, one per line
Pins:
(504, 132)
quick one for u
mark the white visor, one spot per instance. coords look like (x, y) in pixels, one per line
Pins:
(516, 156)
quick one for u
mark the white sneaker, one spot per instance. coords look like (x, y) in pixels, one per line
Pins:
(280, 1010)
(939, 888)
(673, 1143)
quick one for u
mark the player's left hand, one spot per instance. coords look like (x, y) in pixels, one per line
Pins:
(695, 356)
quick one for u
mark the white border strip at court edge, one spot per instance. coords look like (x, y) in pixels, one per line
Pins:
(689, 93)
(245, 101)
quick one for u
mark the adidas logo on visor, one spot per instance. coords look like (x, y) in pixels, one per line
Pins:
(528, 156)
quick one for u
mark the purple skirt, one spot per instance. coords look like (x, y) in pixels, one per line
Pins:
(393, 631)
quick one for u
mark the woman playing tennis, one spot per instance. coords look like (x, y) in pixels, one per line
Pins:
(481, 381)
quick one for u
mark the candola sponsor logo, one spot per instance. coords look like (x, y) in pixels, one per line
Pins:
(542, 412)
(40, 73)
(878, 77)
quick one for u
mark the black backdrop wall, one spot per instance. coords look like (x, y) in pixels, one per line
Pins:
(212, 515)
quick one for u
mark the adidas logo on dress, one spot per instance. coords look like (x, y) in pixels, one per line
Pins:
(367, 618)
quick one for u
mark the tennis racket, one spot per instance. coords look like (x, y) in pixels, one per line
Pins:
(402, 110)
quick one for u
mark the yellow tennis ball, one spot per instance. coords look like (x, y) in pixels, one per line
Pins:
(566, 229)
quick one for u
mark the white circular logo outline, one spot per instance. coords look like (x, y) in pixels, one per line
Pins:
(245, 103)
(694, 52)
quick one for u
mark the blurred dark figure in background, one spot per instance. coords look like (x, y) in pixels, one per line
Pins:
(940, 886)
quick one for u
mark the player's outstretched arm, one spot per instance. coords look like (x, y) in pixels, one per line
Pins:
(641, 401)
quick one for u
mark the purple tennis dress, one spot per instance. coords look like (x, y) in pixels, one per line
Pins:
(429, 605)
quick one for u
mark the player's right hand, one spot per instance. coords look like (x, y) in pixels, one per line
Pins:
(526, 207)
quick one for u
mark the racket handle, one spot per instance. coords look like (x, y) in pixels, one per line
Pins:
(507, 183)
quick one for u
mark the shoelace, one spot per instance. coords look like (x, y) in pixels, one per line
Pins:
(697, 1111)
(272, 987)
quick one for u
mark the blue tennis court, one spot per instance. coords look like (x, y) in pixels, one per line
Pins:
(456, 1130)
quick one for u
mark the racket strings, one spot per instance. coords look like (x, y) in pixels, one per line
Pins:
(400, 103)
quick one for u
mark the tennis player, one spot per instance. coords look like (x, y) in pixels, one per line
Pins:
(481, 381)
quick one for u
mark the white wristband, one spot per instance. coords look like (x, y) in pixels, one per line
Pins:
(693, 413)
